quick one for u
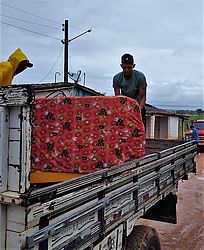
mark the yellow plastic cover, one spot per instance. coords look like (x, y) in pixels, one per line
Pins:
(8, 68)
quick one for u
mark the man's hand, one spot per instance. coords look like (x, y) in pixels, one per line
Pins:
(117, 91)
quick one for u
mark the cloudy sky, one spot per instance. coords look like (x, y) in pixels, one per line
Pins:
(166, 38)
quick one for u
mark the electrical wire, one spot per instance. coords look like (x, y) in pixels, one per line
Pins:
(53, 65)
(28, 21)
(35, 32)
(75, 27)
(29, 13)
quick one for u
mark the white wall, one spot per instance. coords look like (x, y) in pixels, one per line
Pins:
(173, 123)
(162, 127)
(53, 93)
(150, 126)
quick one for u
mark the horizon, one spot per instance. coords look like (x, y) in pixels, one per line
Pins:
(178, 107)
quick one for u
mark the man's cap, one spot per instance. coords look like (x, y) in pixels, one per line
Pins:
(127, 59)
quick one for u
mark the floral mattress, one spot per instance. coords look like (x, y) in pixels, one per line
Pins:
(85, 134)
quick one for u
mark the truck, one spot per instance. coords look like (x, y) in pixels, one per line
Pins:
(199, 125)
(94, 211)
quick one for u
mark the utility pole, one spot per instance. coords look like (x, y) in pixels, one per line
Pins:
(66, 42)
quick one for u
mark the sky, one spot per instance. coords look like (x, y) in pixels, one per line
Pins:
(166, 38)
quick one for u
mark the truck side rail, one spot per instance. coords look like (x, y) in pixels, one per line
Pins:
(120, 198)
(125, 171)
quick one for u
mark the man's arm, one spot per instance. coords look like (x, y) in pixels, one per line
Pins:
(142, 97)
(117, 91)
(116, 85)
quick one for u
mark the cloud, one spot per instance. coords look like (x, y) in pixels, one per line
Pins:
(166, 38)
(170, 93)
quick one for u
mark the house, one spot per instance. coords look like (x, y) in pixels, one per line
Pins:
(61, 89)
(162, 124)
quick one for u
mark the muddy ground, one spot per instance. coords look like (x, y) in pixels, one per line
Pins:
(188, 233)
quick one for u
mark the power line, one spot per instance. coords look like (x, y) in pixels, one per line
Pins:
(53, 65)
(29, 22)
(30, 31)
(29, 13)
(75, 27)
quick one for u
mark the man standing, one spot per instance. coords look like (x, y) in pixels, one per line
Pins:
(131, 83)
(194, 135)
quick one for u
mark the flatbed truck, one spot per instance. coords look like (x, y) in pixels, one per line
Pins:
(95, 211)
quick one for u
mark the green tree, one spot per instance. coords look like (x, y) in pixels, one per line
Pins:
(199, 111)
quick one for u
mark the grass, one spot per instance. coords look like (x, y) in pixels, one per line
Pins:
(196, 117)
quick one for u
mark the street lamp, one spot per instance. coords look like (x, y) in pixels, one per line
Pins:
(80, 35)
(66, 41)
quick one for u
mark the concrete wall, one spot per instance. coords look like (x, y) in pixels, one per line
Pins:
(62, 92)
(53, 93)
(162, 127)
(150, 126)
(173, 123)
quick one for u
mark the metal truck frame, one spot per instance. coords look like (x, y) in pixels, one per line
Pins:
(96, 211)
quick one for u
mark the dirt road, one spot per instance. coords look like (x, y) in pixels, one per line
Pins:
(188, 233)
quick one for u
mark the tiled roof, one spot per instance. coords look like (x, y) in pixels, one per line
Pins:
(151, 110)
(61, 84)
(43, 86)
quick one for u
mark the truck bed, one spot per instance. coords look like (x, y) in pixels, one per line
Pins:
(158, 145)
